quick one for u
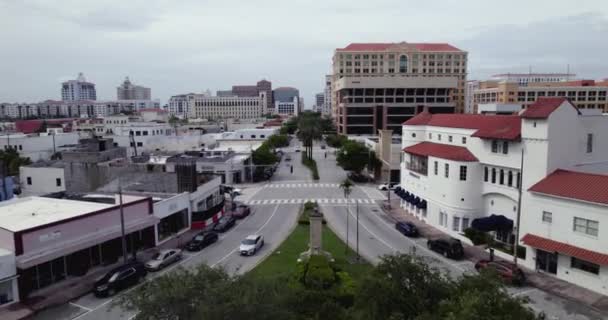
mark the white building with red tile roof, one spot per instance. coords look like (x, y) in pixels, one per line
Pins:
(458, 170)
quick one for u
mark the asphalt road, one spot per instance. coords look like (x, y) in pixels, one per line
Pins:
(275, 206)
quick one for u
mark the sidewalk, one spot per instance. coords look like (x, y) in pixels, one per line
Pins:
(537, 279)
(75, 287)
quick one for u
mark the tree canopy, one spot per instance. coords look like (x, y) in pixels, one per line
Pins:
(353, 156)
(400, 287)
(12, 160)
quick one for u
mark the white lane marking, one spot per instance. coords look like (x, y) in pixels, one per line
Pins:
(525, 292)
(81, 307)
(258, 231)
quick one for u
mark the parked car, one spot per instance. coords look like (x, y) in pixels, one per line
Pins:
(201, 241)
(240, 211)
(407, 228)
(163, 258)
(237, 192)
(448, 247)
(225, 223)
(119, 278)
(358, 177)
(386, 186)
(251, 245)
(323, 147)
(298, 149)
(507, 271)
(288, 158)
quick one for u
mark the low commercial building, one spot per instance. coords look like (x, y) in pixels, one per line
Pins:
(39, 146)
(205, 107)
(73, 109)
(230, 166)
(463, 171)
(55, 239)
(9, 289)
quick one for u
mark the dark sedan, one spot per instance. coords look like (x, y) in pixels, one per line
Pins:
(448, 247)
(224, 224)
(407, 229)
(201, 241)
(240, 211)
(119, 278)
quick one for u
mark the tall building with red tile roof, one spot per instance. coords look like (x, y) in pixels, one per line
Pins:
(379, 85)
(462, 171)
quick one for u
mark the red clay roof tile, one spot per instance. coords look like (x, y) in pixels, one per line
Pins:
(543, 107)
(505, 127)
(582, 186)
(564, 248)
(443, 151)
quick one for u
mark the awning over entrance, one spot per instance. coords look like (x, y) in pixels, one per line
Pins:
(564, 248)
(492, 223)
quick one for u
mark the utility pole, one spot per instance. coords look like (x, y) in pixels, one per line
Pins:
(54, 150)
(519, 189)
(122, 224)
(347, 220)
(358, 255)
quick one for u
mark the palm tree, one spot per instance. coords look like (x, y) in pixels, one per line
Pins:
(309, 129)
(346, 186)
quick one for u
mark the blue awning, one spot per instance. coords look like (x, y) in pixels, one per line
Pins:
(492, 223)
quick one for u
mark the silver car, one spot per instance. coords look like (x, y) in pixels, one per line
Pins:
(163, 258)
(251, 245)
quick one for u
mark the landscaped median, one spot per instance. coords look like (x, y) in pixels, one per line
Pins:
(312, 165)
(283, 261)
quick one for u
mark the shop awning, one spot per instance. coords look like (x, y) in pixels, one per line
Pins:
(492, 223)
(566, 249)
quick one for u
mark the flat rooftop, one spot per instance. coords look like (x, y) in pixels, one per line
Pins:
(31, 212)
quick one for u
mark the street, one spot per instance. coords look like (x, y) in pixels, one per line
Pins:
(275, 205)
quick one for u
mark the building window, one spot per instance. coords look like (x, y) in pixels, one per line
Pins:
(138, 133)
(140, 144)
(456, 223)
(465, 223)
(464, 140)
(493, 175)
(145, 133)
(463, 173)
(502, 177)
(436, 167)
(584, 265)
(449, 138)
(447, 170)
(510, 179)
(439, 137)
(403, 64)
(589, 142)
(586, 226)
(58, 182)
(518, 180)
(430, 136)
(443, 219)
(29, 181)
(505, 147)
(485, 174)
(547, 217)
(494, 146)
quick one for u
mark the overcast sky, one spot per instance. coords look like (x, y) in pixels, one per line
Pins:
(190, 46)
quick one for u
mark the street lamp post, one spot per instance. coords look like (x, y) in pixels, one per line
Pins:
(122, 224)
(346, 187)
(358, 255)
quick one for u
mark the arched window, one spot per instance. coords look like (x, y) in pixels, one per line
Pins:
(403, 64)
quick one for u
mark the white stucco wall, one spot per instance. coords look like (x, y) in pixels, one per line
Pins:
(44, 180)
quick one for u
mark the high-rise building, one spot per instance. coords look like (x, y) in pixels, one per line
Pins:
(584, 94)
(380, 85)
(326, 108)
(525, 78)
(285, 94)
(78, 89)
(252, 91)
(129, 91)
(469, 90)
(319, 99)
(206, 107)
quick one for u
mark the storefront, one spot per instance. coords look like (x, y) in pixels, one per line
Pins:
(8, 279)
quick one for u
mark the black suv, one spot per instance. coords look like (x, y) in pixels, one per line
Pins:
(225, 223)
(407, 229)
(201, 241)
(449, 247)
(120, 278)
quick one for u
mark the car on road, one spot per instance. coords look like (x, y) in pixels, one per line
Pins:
(298, 149)
(251, 245)
(224, 224)
(387, 186)
(201, 241)
(163, 258)
(507, 271)
(407, 229)
(448, 247)
(288, 158)
(119, 278)
(240, 211)
(323, 147)
(358, 177)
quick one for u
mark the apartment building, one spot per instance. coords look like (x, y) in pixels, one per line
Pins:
(327, 103)
(73, 109)
(585, 94)
(130, 91)
(205, 107)
(528, 78)
(462, 171)
(79, 89)
(379, 85)
(469, 92)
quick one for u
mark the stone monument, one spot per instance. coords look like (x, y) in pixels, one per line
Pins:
(316, 236)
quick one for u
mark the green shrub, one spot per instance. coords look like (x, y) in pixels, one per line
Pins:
(319, 273)
(312, 165)
(477, 237)
(308, 207)
(346, 290)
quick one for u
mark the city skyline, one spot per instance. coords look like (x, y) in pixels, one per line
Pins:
(154, 49)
